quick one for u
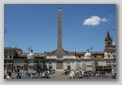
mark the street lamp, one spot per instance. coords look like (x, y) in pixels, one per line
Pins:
(45, 63)
(96, 66)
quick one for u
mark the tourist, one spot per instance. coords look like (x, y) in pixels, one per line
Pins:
(17, 77)
(20, 75)
(9, 76)
(4, 76)
(87, 76)
(36, 75)
(29, 75)
(72, 74)
(32, 76)
(97, 75)
(47, 74)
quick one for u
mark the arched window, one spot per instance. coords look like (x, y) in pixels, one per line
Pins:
(50, 68)
(69, 68)
(109, 43)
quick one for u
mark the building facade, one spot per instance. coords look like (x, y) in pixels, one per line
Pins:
(17, 61)
(60, 59)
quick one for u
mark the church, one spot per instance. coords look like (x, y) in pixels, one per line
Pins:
(61, 59)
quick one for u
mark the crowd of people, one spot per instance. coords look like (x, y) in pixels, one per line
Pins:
(8, 76)
(72, 74)
(44, 74)
(88, 75)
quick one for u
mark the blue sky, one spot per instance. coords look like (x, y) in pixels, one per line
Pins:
(35, 25)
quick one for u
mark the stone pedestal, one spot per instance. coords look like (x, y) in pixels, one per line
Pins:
(59, 65)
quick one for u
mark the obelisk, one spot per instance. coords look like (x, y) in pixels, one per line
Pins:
(59, 44)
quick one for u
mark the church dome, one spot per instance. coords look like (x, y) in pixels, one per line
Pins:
(30, 55)
(87, 55)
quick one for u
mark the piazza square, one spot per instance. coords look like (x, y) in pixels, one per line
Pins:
(60, 63)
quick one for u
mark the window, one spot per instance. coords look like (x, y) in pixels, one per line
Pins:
(31, 61)
(95, 56)
(31, 67)
(89, 65)
(14, 67)
(109, 43)
(78, 56)
(25, 67)
(10, 56)
(9, 66)
(5, 52)
(4, 66)
(109, 56)
(102, 56)
(21, 67)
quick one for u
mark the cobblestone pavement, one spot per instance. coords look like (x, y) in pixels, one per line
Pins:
(59, 75)
(56, 75)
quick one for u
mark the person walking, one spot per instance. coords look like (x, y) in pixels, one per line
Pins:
(20, 75)
(9, 76)
(17, 77)
(87, 76)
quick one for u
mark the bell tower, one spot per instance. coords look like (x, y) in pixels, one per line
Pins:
(108, 41)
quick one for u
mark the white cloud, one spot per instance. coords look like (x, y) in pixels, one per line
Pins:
(104, 19)
(94, 20)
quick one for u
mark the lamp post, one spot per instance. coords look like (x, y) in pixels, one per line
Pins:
(45, 63)
(96, 65)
